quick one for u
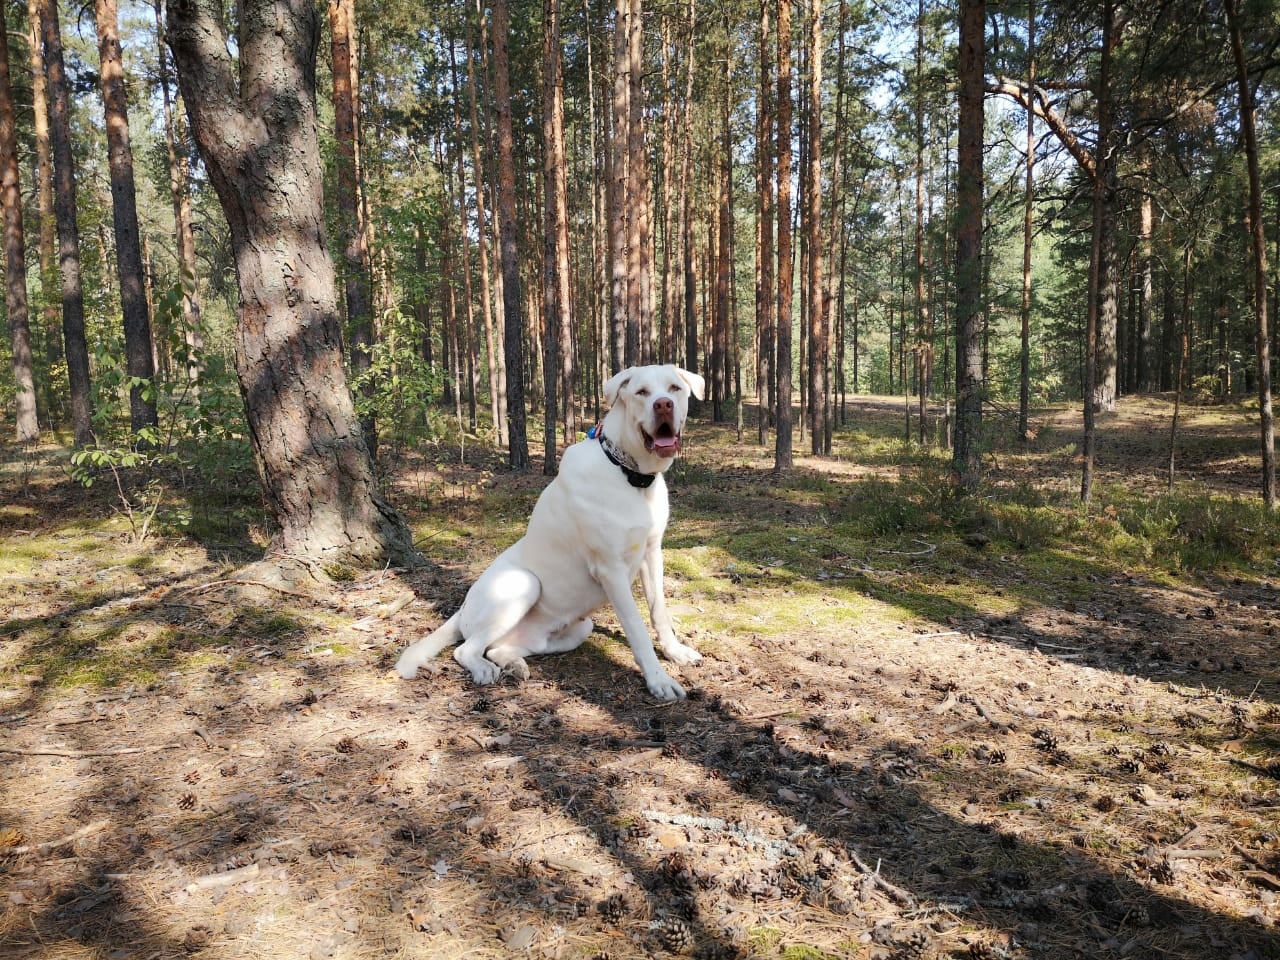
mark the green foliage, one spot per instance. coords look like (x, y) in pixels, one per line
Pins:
(200, 430)
(398, 388)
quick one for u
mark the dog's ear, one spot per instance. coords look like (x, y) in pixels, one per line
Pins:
(695, 383)
(616, 383)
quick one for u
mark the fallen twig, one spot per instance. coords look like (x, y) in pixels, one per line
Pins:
(76, 754)
(211, 880)
(894, 891)
(86, 831)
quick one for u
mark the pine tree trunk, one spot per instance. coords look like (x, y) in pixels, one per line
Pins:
(555, 278)
(782, 457)
(766, 287)
(817, 305)
(255, 125)
(48, 235)
(26, 426)
(1258, 239)
(495, 363)
(1028, 200)
(518, 454)
(966, 461)
(620, 212)
(64, 204)
(922, 344)
(356, 268)
(180, 195)
(124, 205)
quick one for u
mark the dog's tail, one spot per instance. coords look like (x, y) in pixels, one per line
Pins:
(426, 649)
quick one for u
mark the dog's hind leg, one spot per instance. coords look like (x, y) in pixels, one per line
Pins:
(525, 642)
(425, 650)
(494, 608)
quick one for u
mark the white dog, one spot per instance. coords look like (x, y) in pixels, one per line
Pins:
(598, 524)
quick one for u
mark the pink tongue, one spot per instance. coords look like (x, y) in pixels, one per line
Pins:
(666, 443)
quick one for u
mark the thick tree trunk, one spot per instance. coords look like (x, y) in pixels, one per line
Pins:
(356, 267)
(518, 455)
(1258, 240)
(254, 122)
(26, 426)
(64, 205)
(782, 456)
(966, 463)
(124, 205)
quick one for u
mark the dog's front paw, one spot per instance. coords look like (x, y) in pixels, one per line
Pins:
(407, 665)
(681, 653)
(664, 688)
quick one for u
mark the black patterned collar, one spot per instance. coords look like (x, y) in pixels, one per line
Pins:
(625, 462)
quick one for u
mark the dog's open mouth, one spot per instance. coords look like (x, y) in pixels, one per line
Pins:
(663, 442)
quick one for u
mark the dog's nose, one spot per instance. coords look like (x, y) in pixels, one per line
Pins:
(664, 406)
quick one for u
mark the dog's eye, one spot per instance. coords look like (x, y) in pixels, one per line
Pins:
(674, 388)
(642, 392)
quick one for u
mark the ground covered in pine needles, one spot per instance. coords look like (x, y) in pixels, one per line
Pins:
(926, 725)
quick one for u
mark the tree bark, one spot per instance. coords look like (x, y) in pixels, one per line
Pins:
(966, 463)
(518, 451)
(782, 457)
(356, 267)
(64, 204)
(124, 204)
(48, 233)
(1258, 242)
(495, 362)
(1028, 207)
(557, 360)
(620, 212)
(817, 306)
(766, 286)
(26, 426)
(254, 122)
(180, 195)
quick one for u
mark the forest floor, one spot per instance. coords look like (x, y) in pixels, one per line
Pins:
(925, 725)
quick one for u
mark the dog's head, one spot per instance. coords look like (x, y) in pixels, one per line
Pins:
(647, 410)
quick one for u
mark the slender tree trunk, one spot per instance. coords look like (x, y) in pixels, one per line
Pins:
(557, 336)
(26, 426)
(495, 361)
(686, 206)
(818, 345)
(1028, 207)
(637, 193)
(1258, 239)
(1180, 362)
(180, 195)
(782, 459)
(316, 469)
(356, 267)
(48, 235)
(620, 212)
(1106, 381)
(518, 455)
(1145, 360)
(967, 453)
(124, 205)
(1101, 293)
(766, 289)
(77, 351)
